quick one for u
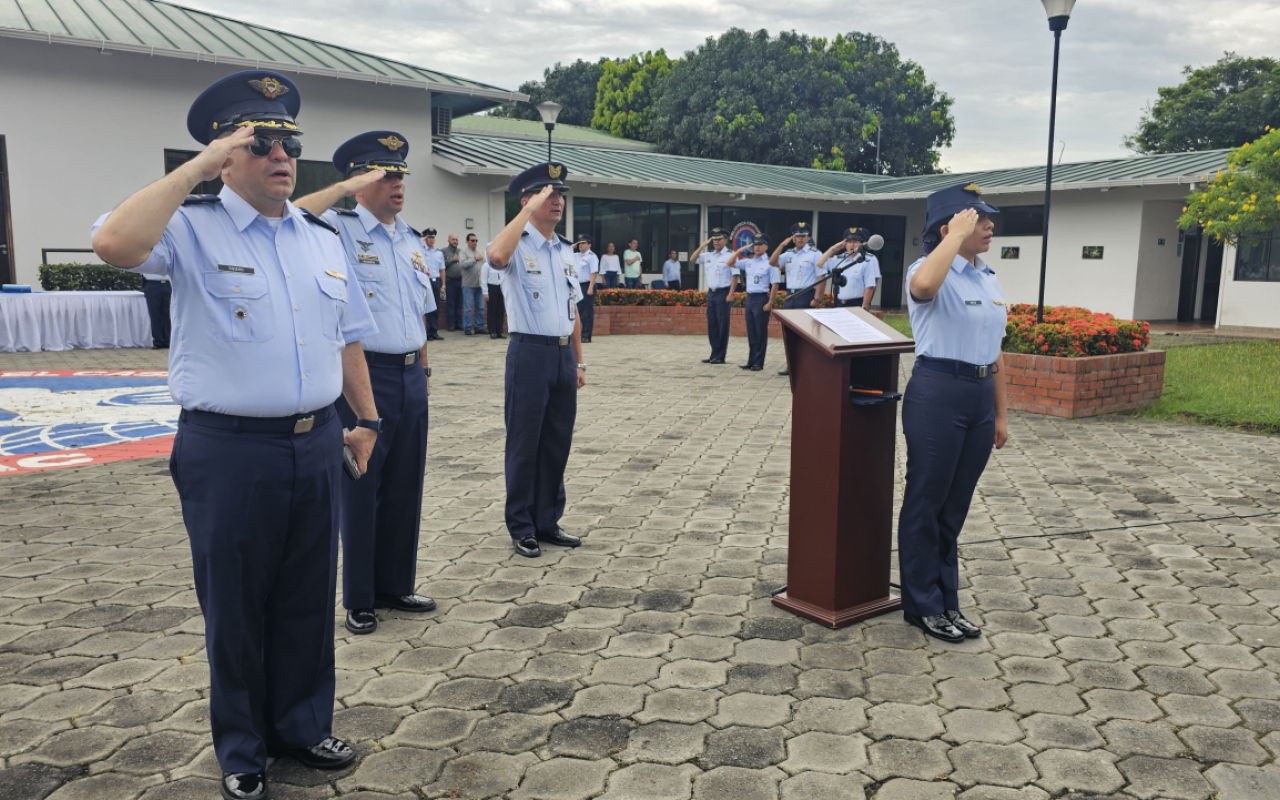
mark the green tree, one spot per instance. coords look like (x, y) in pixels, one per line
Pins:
(625, 93)
(1223, 105)
(572, 86)
(1245, 198)
(801, 101)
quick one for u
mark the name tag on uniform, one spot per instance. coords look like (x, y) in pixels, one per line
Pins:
(234, 268)
(531, 266)
(368, 258)
(973, 302)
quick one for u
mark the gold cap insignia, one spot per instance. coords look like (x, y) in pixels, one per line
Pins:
(270, 87)
(973, 187)
(554, 170)
(392, 142)
(800, 225)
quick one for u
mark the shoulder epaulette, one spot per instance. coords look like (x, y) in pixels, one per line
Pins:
(565, 239)
(345, 212)
(415, 231)
(524, 233)
(201, 199)
(314, 220)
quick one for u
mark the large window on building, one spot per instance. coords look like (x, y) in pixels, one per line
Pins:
(312, 176)
(1019, 221)
(659, 227)
(1258, 257)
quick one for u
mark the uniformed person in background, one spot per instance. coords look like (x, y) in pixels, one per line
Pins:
(722, 288)
(435, 271)
(382, 511)
(588, 274)
(266, 335)
(800, 268)
(762, 280)
(491, 284)
(544, 360)
(859, 268)
(159, 295)
(953, 411)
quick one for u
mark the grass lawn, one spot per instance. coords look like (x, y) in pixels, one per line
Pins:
(899, 323)
(1231, 385)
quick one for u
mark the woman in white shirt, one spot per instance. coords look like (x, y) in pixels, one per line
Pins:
(610, 267)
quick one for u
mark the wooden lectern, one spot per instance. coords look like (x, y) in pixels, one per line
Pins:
(841, 524)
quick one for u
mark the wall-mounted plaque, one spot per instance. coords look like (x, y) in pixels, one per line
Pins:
(1010, 252)
(1092, 253)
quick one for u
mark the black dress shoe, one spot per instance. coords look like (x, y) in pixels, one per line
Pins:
(586, 340)
(756, 368)
(527, 547)
(784, 371)
(244, 785)
(361, 621)
(963, 625)
(331, 753)
(503, 336)
(716, 361)
(937, 626)
(405, 602)
(744, 366)
(559, 537)
(708, 360)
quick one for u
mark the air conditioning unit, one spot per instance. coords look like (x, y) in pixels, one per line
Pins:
(442, 122)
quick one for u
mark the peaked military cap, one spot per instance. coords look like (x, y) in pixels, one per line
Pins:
(946, 203)
(859, 234)
(717, 233)
(802, 229)
(384, 150)
(582, 237)
(548, 173)
(266, 100)
(761, 238)
(429, 232)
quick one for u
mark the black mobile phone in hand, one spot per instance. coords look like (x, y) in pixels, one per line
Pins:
(349, 464)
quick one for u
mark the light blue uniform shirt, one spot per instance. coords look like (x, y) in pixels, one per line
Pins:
(858, 276)
(801, 267)
(588, 265)
(391, 271)
(758, 274)
(965, 321)
(540, 285)
(670, 270)
(260, 316)
(719, 273)
(435, 263)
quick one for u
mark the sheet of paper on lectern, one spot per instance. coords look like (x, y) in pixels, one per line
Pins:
(847, 326)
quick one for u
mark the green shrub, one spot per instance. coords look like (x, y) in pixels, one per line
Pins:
(88, 278)
(685, 297)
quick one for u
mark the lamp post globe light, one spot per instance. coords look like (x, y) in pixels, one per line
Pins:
(1059, 12)
(549, 110)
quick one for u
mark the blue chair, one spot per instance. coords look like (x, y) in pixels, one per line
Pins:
(658, 284)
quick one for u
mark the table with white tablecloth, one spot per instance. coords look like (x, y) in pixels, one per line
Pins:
(73, 320)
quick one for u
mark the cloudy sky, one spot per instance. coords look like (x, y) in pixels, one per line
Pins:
(994, 57)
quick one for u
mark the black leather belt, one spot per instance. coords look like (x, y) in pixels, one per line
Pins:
(392, 359)
(962, 368)
(533, 338)
(299, 423)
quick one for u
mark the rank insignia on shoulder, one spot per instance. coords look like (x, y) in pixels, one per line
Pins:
(565, 239)
(345, 212)
(333, 274)
(314, 220)
(201, 199)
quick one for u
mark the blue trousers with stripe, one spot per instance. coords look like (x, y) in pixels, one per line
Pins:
(541, 405)
(718, 323)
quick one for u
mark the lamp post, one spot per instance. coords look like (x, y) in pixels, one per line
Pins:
(549, 111)
(1059, 12)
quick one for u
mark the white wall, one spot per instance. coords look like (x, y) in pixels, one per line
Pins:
(1159, 278)
(83, 131)
(1246, 304)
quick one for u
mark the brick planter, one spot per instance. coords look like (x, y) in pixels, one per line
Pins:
(668, 320)
(1083, 387)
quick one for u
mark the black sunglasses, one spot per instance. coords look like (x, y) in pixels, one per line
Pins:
(263, 145)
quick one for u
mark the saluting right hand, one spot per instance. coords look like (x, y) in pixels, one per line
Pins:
(214, 157)
(963, 224)
(540, 198)
(357, 183)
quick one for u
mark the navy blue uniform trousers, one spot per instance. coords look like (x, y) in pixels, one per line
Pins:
(381, 511)
(541, 404)
(157, 294)
(718, 323)
(453, 302)
(950, 425)
(587, 311)
(261, 512)
(433, 317)
(757, 328)
(801, 300)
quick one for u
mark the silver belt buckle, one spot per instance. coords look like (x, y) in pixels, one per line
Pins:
(981, 372)
(564, 340)
(408, 359)
(304, 425)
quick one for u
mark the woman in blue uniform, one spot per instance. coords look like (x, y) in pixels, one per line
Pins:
(954, 409)
(762, 286)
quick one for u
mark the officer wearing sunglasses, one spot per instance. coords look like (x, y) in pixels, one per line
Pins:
(267, 326)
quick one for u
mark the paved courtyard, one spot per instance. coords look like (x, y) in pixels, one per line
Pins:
(1138, 660)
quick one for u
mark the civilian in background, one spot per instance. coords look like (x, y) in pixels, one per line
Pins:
(588, 272)
(157, 291)
(671, 271)
(632, 264)
(609, 267)
(491, 283)
(470, 260)
(452, 285)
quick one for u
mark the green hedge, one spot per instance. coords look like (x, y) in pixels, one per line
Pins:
(685, 297)
(88, 278)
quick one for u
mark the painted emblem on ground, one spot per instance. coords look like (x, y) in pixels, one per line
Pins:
(58, 419)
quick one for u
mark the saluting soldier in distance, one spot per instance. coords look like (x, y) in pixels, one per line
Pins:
(722, 287)
(588, 274)
(381, 512)
(860, 268)
(266, 334)
(762, 280)
(953, 411)
(544, 360)
(800, 267)
(435, 271)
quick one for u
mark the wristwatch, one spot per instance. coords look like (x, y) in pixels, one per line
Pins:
(427, 370)
(582, 367)
(374, 425)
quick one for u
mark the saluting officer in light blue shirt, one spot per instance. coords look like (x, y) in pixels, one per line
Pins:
(762, 280)
(801, 271)
(953, 411)
(435, 271)
(266, 334)
(722, 286)
(588, 274)
(382, 512)
(858, 268)
(544, 360)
